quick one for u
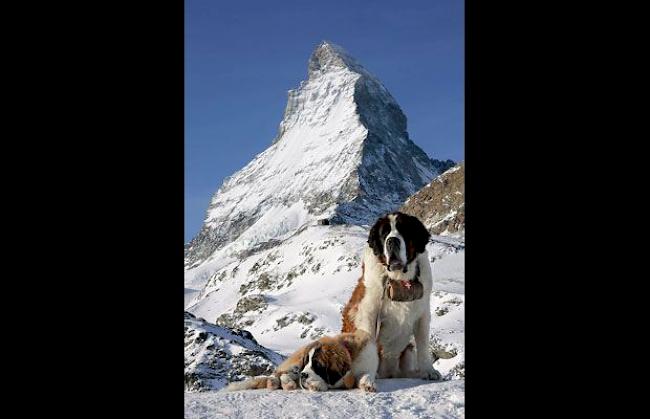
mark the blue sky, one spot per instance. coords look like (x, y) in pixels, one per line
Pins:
(241, 57)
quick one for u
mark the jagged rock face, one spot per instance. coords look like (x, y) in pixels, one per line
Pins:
(342, 152)
(441, 204)
(215, 355)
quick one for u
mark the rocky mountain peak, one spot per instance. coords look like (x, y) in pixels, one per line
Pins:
(342, 153)
(328, 56)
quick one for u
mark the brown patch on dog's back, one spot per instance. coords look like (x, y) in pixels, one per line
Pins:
(352, 306)
(354, 342)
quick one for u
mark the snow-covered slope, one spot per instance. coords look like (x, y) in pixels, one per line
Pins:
(342, 153)
(214, 355)
(395, 398)
(294, 292)
(291, 293)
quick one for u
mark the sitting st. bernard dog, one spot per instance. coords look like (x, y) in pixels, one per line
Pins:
(391, 299)
(346, 361)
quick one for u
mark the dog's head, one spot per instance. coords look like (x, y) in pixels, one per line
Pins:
(397, 239)
(326, 365)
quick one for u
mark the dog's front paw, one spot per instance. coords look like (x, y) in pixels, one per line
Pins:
(272, 383)
(287, 382)
(316, 385)
(367, 384)
(430, 374)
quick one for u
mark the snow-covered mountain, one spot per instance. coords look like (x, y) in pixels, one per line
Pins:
(441, 204)
(342, 152)
(263, 263)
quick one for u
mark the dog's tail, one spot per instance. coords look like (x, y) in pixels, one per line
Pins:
(260, 382)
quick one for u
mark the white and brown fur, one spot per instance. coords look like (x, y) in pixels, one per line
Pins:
(403, 340)
(346, 361)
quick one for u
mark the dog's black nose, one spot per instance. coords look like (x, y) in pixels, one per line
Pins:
(304, 375)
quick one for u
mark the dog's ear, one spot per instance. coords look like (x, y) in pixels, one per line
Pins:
(374, 238)
(305, 357)
(413, 229)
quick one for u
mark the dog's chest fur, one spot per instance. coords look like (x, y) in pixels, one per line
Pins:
(397, 318)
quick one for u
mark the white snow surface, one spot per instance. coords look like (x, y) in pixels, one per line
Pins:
(395, 398)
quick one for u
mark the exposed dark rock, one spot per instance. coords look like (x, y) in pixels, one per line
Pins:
(441, 204)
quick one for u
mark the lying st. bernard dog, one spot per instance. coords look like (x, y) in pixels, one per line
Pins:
(395, 263)
(347, 360)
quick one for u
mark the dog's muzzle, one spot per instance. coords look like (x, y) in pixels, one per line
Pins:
(392, 248)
